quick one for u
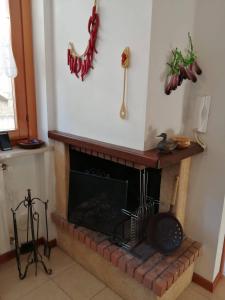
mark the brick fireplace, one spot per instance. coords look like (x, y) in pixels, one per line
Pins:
(130, 275)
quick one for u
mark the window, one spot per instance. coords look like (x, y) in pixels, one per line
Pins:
(17, 95)
(7, 104)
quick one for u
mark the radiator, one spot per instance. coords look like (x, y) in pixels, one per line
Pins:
(4, 212)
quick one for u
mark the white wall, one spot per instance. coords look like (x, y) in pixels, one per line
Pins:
(171, 22)
(91, 108)
(205, 217)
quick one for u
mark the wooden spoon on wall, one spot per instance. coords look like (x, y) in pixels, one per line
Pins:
(125, 61)
(123, 109)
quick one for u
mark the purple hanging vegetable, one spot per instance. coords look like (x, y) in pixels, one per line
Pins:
(197, 69)
(182, 67)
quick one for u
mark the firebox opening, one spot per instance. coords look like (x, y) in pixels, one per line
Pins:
(99, 189)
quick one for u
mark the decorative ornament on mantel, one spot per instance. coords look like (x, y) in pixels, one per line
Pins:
(125, 62)
(181, 67)
(81, 64)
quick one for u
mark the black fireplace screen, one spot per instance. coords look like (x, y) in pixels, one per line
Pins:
(99, 189)
(96, 200)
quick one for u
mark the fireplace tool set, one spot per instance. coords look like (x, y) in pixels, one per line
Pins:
(32, 236)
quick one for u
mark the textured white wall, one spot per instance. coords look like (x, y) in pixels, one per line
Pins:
(91, 108)
(171, 22)
(206, 216)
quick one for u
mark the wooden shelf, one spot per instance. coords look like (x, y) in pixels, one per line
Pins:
(151, 158)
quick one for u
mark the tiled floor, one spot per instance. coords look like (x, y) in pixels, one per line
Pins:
(70, 281)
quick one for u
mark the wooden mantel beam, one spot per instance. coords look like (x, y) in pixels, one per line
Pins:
(150, 158)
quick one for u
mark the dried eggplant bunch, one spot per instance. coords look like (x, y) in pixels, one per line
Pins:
(182, 67)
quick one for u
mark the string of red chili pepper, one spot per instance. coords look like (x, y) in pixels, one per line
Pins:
(81, 64)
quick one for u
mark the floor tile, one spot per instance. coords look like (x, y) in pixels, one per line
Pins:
(190, 294)
(8, 269)
(71, 281)
(107, 294)
(220, 290)
(47, 291)
(218, 294)
(12, 288)
(197, 288)
(59, 261)
(77, 282)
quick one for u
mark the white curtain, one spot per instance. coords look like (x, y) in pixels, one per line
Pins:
(4, 225)
(7, 61)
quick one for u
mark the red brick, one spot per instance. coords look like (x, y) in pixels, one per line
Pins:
(82, 232)
(108, 252)
(88, 241)
(190, 255)
(97, 239)
(154, 273)
(179, 266)
(76, 233)
(146, 266)
(71, 229)
(174, 269)
(168, 277)
(132, 265)
(102, 246)
(163, 282)
(115, 256)
(62, 224)
(89, 237)
(85, 233)
(195, 251)
(185, 261)
(123, 261)
(159, 286)
(198, 248)
(65, 226)
(197, 245)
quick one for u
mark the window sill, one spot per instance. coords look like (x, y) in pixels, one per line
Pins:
(18, 152)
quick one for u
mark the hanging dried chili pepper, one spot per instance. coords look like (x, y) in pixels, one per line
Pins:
(81, 64)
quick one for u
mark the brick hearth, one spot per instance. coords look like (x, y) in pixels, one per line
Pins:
(157, 273)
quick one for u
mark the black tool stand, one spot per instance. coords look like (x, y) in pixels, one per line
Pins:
(31, 246)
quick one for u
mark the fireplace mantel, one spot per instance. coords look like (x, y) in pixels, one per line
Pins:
(171, 166)
(150, 158)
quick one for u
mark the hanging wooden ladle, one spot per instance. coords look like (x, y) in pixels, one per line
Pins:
(125, 62)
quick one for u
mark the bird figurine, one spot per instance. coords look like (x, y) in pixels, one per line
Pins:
(166, 145)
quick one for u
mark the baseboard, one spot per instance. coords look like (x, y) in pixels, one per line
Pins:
(53, 243)
(7, 256)
(206, 284)
(222, 265)
(11, 254)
